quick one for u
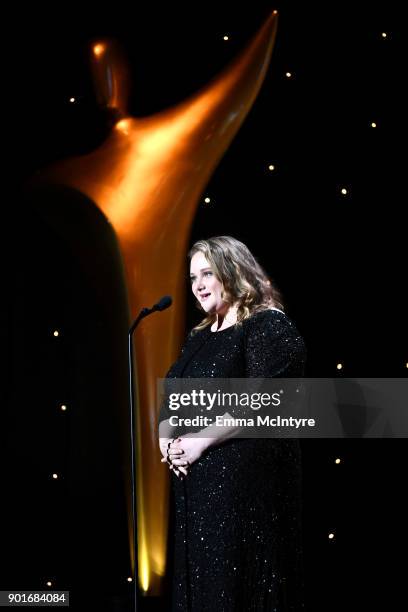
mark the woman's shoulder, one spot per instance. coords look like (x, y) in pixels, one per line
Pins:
(274, 346)
(271, 321)
(268, 315)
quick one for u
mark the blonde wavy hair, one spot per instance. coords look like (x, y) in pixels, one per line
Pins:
(243, 279)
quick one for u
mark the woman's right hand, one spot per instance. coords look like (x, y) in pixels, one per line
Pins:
(163, 443)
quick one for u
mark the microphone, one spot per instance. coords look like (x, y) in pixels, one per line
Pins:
(162, 304)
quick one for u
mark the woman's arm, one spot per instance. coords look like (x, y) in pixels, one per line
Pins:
(274, 347)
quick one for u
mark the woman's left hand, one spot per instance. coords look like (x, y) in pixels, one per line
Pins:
(187, 449)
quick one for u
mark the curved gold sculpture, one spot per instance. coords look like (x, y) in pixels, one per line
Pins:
(147, 178)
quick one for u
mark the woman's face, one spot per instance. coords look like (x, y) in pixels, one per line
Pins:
(205, 285)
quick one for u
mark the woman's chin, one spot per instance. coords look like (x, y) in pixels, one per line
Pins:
(209, 308)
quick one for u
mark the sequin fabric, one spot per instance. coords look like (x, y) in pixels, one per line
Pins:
(237, 515)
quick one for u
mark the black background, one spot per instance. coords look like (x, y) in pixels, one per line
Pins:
(338, 260)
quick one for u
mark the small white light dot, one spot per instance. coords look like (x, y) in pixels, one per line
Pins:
(331, 536)
(338, 461)
(406, 365)
(271, 167)
(384, 34)
(63, 407)
(344, 191)
(289, 75)
(207, 200)
(56, 333)
(72, 99)
(55, 476)
(49, 583)
(226, 37)
(373, 124)
(129, 579)
(339, 366)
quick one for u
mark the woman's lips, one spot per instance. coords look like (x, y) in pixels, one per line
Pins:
(204, 296)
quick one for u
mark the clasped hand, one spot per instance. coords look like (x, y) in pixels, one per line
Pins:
(180, 453)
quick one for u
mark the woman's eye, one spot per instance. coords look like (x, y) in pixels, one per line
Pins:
(193, 278)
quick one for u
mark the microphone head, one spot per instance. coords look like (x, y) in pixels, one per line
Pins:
(163, 303)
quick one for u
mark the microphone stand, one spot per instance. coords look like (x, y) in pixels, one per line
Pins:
(165, 302)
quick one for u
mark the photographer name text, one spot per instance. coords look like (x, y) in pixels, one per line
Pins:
(229, 421)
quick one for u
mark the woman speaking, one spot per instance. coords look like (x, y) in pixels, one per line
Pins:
(237, 531)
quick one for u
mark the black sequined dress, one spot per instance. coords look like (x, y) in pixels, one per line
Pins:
(238, 513)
